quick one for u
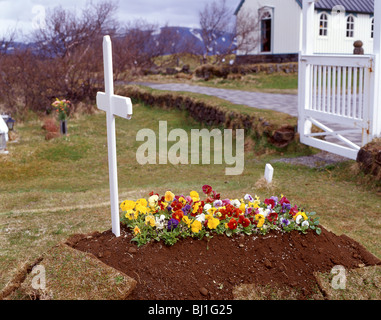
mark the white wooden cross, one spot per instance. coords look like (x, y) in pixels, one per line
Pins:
(114, 105)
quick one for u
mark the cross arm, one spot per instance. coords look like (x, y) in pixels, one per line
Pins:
(117, 105)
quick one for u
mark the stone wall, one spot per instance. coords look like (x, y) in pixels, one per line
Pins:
(213, 115)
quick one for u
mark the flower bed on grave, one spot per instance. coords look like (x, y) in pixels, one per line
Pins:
(172, 217)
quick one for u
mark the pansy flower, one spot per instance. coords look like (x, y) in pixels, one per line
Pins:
(172, 224)
(233, 224)
(178, 215)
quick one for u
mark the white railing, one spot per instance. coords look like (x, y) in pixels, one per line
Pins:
(340, 94)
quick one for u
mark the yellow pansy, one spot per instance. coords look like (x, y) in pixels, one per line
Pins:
(213, 223)
(142, 202)
(182, 200)
(242, 207)
(150, 220)
(169, 196)
(127, 205)
(195, 196)
(186, 220)
(141, 209)
(211, 211)
(261, 220)
(136, 230)
(260, 223)
(196, 206)
(196, 226)
(131, 214)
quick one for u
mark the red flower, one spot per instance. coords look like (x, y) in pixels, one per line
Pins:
(207, 189)
(272, 217)
(240, 218)
(283, 200)
(245, 222)
(294, 210)
(270, 202)
(178, 215)
(232, 224)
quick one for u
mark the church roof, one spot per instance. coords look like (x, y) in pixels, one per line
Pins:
(363, 6)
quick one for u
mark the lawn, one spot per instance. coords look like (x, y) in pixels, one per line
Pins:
(53, 189)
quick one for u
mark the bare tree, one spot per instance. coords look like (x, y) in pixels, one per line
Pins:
(216, 20)
(247, 30)
(65, 60)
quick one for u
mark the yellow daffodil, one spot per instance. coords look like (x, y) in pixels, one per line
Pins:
(196, 226)
(169, 196)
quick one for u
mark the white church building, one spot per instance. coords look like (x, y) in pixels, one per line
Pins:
(338, 24)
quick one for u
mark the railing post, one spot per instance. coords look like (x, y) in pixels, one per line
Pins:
(375, 113)
(308, 38)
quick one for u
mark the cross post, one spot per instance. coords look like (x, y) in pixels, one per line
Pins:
(114, 105)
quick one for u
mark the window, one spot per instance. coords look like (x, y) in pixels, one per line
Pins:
(350, 27)
(372, 29)
(323, 28)
(266, 32)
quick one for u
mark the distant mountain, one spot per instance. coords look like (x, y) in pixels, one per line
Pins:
(192, 36)
(186, 38)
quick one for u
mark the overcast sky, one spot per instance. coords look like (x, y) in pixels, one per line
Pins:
(25, 14)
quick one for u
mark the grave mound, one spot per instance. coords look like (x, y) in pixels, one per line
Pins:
(213, 268)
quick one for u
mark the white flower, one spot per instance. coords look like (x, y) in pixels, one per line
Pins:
(160, 221)
(305, 224)
(248, 197)
(207, 207)
(265, 212)
(236, 203)
(298, 219)
(201, 217)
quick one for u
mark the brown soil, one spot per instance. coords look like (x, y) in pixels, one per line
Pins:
(210, 269)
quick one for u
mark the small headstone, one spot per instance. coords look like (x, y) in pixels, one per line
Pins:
(269, 173)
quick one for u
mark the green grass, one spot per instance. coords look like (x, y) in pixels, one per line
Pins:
(52, 189)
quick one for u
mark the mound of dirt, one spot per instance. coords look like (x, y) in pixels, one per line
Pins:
(211, 268)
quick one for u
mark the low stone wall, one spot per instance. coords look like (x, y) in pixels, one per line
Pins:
(212, 71)
(267, 58)
(212, 115)
(369, 159)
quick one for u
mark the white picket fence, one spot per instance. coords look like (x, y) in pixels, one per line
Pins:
(338, 94)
